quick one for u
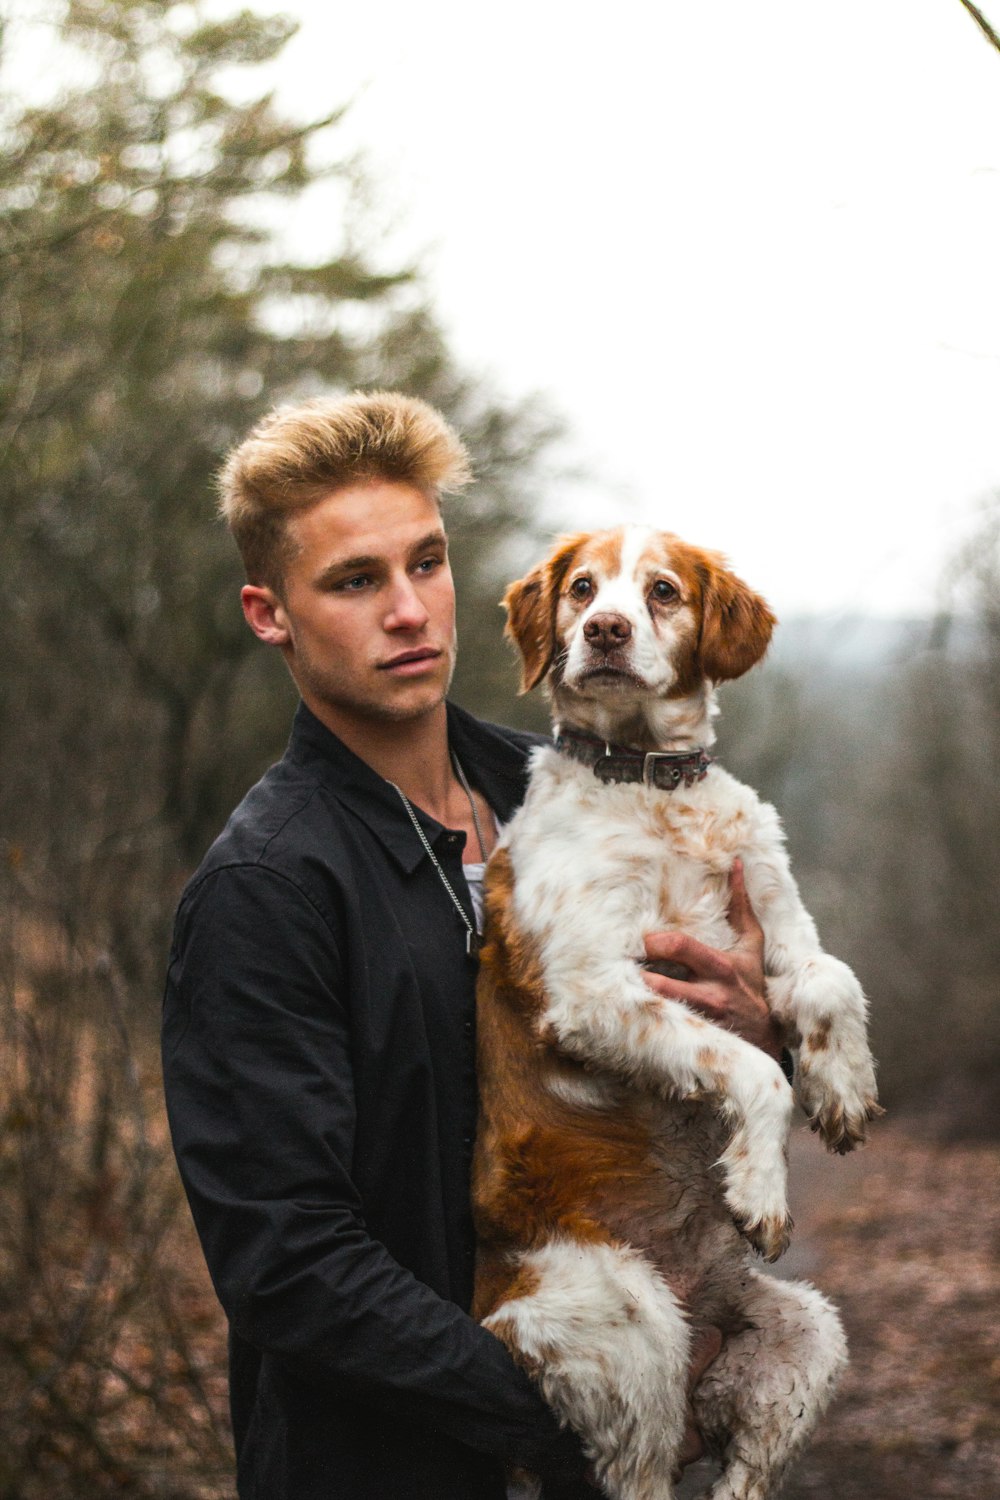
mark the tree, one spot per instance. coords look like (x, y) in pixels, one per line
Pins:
(151, 315)
(934, 844)
(153, 320)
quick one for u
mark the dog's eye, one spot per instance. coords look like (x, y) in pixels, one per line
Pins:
(581, 588)
(663, 591)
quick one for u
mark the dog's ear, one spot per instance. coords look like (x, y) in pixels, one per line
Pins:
(736, 623)
(529, 627)
(531, 605)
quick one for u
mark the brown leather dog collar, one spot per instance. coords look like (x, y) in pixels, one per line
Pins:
(665, 769)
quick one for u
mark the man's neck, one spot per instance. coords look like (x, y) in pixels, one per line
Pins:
(411, 753)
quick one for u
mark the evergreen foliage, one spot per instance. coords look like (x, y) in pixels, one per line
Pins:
(152, 313)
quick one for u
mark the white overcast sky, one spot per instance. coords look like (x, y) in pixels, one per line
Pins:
(751, 252)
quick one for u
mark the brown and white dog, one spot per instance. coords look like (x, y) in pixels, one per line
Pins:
(627, 1147)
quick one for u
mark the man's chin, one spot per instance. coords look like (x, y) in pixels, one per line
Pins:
(408, 709)
(412, 701)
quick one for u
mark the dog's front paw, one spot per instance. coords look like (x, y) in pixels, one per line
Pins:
(838, 1095)
(756, 1198)
(842, 1127)
(770, 1237)
(755, 1165)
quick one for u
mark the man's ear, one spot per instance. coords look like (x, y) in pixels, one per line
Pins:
(265, 614)
(736, 623)
(531, 606)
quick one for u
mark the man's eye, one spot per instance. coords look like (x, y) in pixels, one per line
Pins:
(663, 591)
(429, 564)
(581, 588)
(354, 585)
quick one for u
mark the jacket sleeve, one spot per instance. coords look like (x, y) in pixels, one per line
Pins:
(258, 1079)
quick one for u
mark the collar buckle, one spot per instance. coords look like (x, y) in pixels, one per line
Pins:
(649, 764)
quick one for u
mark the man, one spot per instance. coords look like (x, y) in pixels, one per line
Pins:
(319, 1011)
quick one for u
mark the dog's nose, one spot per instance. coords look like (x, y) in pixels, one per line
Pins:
(606, 632)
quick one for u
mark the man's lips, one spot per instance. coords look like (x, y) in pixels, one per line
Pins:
(407, 662)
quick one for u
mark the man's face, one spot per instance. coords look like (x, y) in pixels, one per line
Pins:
(366, 617)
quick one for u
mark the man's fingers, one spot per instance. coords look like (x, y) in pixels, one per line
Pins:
(706, 999)
(727, 988)
(742, 917)
(708, 963)
(692, 1448)
(704, 962)
(705, 1349)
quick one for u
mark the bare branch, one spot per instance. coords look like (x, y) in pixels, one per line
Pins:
(988, 32)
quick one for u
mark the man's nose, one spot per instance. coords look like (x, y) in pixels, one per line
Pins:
(406, 610)
(605, 632)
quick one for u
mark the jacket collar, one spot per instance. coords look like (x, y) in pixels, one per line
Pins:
(494, 759)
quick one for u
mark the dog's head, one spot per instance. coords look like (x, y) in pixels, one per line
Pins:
(625, 623)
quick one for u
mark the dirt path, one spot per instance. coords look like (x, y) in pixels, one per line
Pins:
(905, 1236)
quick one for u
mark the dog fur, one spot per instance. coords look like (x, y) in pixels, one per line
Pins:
(628, 1148)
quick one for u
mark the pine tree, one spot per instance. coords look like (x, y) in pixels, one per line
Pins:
(152, 313)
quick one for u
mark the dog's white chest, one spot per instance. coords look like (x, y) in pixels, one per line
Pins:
(611, 863)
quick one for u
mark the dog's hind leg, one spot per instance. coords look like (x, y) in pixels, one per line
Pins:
(607, 1341)
(760, 1400)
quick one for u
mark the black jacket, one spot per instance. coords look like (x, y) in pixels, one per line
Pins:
(318, 1048)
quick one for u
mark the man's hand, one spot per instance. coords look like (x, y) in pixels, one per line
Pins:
(706, 1347)
(728, 988)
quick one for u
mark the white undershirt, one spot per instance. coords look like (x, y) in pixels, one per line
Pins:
(474, 880)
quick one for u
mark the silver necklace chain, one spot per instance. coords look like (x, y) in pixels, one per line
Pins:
(472, 803)
(471, 934)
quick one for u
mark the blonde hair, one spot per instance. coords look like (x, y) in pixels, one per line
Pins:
(297, 455)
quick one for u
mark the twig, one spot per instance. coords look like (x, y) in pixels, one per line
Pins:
(988, 32)
(71, 1420)
(193, 1372)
